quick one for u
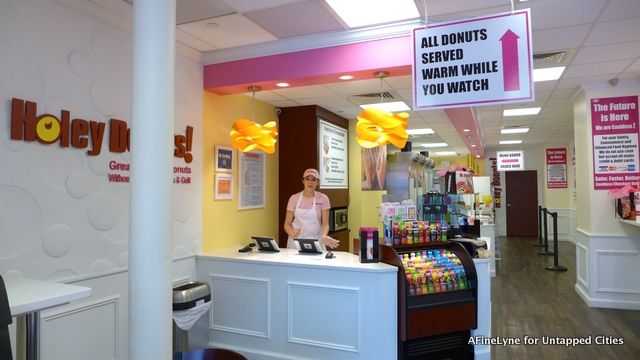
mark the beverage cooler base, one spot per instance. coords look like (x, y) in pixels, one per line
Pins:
(454, 346)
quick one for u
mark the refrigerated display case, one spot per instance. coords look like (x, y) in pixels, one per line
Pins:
(437, 299)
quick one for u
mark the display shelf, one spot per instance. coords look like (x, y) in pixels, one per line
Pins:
(434, 323)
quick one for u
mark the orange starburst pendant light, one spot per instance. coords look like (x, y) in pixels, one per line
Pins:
(378, 127)
(247, 135)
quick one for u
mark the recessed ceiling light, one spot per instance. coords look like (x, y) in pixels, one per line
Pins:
(282, 84)
(445, 153)
(357, 13)
(510, 142)
(547, 74)
(473, 145)
(393, 106)
(212, 24)
(346, 77)
(520, 112)
(520, 130)
(434, 145)
(424, 131)
(466, 130)
(478, 156)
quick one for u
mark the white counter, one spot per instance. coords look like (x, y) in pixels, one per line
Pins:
(30, 295)
(289, 305)
(27, 297)
(483, 270)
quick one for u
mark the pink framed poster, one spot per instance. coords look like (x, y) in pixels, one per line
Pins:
(614, 128)
(557, 168)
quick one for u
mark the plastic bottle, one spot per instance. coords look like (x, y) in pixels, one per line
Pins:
(396, 234)
(444, 229)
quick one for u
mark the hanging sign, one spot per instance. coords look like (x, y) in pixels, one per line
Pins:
(614, 128)
(557, 168)
(510, 160)
(471, 62)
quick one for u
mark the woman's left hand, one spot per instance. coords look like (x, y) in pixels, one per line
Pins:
(330, 242)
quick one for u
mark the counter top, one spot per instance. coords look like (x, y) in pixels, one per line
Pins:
(342, 260)
(30, 295)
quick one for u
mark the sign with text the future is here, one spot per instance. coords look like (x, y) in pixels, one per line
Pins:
(614, 128)
(473, 62)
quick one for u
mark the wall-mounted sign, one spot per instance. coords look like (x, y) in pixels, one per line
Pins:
(510, 160)
(614, 128)
(27, 125)
(556, 168)
(333, 157)
(480, 61)
(251, 180)
(496, 188)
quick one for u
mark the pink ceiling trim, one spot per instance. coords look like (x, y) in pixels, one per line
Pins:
(465, 118)
(310, 67)
(325, 65)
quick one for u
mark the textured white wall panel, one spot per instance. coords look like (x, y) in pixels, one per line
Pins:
(60, 215)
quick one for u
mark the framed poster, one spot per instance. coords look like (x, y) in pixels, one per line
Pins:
(557, 168)
(615, 134)
(224, 159)
(251, 180)
(223, 187)
(334, 154)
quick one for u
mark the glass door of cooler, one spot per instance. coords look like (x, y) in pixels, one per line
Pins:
(430, 271)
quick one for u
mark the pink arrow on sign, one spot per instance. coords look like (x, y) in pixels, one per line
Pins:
(510, 73)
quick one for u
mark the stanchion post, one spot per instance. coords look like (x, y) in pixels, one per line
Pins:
(539, 244)
(555, 266)
(545, 251)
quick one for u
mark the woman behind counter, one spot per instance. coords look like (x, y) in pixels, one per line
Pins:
(308, 213)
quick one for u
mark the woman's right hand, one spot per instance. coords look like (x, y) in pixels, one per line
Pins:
(294, 232)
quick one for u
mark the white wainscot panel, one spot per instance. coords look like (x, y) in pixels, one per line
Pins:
(611, 267)
(247, 312)
(89, 331)
(582, 265)
(310, 322)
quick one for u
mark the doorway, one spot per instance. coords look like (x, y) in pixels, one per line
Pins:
(522, 202)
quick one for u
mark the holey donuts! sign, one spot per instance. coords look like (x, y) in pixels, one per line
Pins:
(614, 128)
(47, 129)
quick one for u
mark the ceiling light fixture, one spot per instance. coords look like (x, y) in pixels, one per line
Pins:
(424, 131)
(466, 130)
(357, 13)
(445, 153)
(434, 145)
(346, 77)
(377, 125)
(247, 135)
(546, 74)
(510, 142)
(393, 106)
(520, 130)
(521, 111)
(282, 84)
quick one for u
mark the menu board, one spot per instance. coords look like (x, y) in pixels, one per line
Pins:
(333, 156)
(251, 180)
(614, 128)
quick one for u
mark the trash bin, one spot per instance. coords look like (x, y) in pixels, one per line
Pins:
(191, 303)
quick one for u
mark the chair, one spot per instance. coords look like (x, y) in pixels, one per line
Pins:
(209, 354)
(5, 320)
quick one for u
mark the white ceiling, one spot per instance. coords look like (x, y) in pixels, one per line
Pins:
(601, 38)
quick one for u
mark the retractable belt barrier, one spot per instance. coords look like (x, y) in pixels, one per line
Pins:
(543, 213)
